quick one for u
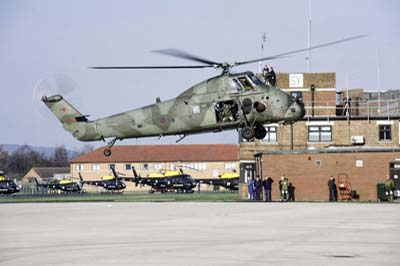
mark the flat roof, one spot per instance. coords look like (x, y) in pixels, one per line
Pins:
(331, 150)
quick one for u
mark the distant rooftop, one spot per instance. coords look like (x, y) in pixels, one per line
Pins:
(163, 153)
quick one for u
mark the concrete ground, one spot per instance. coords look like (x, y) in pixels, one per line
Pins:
(169, 233)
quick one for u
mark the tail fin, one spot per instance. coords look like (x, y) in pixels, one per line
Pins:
(71, 119)
(81, 178)
(114, 172)
(134, 171)
(37, 185)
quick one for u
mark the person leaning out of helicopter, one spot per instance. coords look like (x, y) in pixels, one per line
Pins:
(266, 74)
(272, 77)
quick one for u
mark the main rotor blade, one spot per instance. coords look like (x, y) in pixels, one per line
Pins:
(149, 67)
(300, 50)
(185, 55)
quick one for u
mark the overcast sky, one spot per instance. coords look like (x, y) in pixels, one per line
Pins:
(42, 38)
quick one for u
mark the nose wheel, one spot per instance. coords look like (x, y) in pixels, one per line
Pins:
(257, 132)
(107, 152)
(247, 133)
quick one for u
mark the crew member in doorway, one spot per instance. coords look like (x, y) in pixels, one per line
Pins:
(266, 74)
(389, 186)
(332, 189)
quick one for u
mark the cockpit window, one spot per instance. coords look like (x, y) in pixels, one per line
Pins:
(246, 84)
(235, 85)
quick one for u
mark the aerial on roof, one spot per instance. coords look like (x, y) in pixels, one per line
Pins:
(163, 153)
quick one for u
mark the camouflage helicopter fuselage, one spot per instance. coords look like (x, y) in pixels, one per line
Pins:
(199, 109)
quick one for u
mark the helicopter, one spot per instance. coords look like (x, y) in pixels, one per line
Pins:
(169, 181)
(229, 100)
(8, 186)
(63, 185)
(230, 181)
(107, 182)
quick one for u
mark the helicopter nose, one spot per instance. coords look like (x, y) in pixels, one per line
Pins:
(295, 111)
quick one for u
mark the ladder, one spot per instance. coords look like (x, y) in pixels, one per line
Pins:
(344, 187)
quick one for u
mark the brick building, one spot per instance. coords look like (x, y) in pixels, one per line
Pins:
(358, 138)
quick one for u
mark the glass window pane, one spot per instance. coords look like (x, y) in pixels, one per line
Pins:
(326, 136)
(313, 136)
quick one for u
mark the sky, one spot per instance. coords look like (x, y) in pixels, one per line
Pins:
(44, 38)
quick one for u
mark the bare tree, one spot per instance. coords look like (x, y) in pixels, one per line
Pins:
(60, 157)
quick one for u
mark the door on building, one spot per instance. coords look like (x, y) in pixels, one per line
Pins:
(394, 172)
(247, 171)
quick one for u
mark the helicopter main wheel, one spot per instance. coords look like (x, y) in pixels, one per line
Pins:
(260, 132)
(247, 133)
(107, 152)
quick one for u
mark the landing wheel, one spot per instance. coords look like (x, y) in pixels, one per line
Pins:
(107, 152)
(247, 133)
(260, 132)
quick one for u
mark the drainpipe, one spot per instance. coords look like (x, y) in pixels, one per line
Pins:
(312, 99)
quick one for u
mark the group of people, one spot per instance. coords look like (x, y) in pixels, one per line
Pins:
(255, 188)
(286, 190)
(269, 75)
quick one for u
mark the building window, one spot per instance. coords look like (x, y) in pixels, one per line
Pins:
(270, 137)
(95, 167)
(128, 166)
(157, 166)
(79, 167)
(112, 165)
(320, 133)
(230, 166)
(144, 166)
(297, 95)
(385, 132)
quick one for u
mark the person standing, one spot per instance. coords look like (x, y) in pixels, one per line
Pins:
(250, 187)
(284, 188)
(267, 184)
(258, 187)
(266, 74)
(272, 77)
(332, 189)
(389, 186)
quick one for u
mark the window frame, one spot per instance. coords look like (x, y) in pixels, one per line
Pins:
(95, 167)
(144, 166)
(267, 138)
(382, 130)
(320, 133)
(79, 167)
